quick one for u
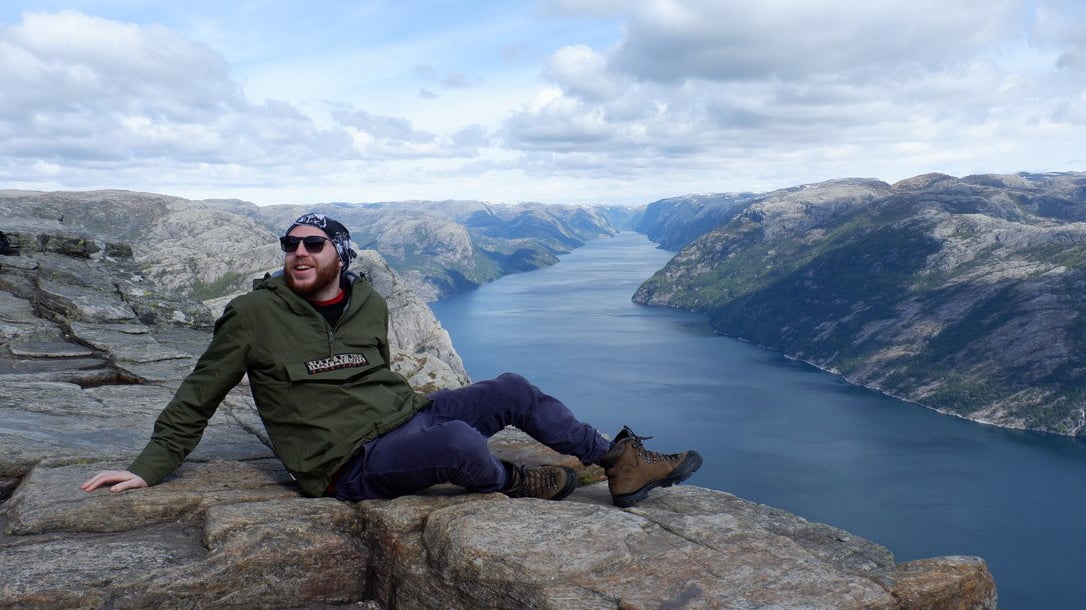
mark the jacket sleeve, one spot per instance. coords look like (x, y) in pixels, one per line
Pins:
(181, 424)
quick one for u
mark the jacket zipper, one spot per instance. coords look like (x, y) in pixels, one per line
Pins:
(332, 331)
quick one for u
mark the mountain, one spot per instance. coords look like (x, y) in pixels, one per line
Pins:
(677, 221)
(211, 249)
(965, 295)
(448, 247)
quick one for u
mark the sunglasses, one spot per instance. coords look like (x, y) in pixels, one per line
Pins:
(313, 243)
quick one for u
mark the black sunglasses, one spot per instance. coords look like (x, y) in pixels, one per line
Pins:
(313, 243)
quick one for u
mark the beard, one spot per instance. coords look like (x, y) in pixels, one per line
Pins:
(326, 276)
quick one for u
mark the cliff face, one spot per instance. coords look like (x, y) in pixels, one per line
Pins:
(90, 351)
(212, 249)
(677, 221)
(964, 295)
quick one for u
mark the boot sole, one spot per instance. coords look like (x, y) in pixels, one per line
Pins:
(681, 473)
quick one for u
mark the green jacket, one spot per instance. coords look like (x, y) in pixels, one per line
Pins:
(321, 392)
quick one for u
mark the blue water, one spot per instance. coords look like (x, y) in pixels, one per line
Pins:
(780, 432)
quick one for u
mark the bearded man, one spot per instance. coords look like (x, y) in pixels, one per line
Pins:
(313, 340)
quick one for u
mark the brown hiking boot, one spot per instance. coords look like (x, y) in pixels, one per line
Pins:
(546, 482)
(632, 471)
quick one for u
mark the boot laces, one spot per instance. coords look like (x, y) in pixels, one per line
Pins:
(538, 480)
(650, 456)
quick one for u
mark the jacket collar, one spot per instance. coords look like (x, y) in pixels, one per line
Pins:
(360, 291)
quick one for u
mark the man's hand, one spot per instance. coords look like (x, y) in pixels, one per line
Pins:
(123, 479)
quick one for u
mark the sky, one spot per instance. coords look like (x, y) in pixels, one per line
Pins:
(554, 101)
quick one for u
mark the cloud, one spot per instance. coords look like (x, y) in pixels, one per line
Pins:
(823, 89)
(84, 91)
(716, 40)
(387, 137)
(583, 72)
(65, 71)
(84, 95)
(1054, 30)
(614, 98)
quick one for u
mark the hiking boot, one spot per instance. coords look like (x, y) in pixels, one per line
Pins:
(546, 482)
(632, 471)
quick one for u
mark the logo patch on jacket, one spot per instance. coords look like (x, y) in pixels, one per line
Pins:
(339, 361)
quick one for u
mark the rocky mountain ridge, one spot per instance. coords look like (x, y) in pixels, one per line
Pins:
(90, 351)
(211, 249)
(961, 294)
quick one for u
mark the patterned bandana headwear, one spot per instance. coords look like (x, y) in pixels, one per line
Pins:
(335, 231)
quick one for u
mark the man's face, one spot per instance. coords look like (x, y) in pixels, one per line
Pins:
(314, 275)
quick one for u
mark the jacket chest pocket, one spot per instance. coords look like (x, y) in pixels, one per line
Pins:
(336, 368)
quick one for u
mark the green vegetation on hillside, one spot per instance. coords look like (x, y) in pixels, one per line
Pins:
(221, 286)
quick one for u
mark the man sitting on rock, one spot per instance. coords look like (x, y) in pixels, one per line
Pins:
(314, 342)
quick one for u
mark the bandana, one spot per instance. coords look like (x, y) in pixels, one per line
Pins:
(335, 231)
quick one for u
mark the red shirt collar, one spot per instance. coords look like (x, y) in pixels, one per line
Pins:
(332, 301)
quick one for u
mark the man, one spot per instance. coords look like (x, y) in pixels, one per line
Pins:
(314, 342)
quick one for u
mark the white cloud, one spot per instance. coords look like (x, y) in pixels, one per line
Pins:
(90, 94)
(601, 100)
(814, 90)
(62, 60)
(668, 40)
(86, 90)
(583, 72)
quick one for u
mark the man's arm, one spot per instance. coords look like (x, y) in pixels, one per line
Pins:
(181, 424)
(123, 479)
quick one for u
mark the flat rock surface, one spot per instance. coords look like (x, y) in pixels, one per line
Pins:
(216, 530)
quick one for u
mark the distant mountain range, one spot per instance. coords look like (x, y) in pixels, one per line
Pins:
(211, 249)
(965, 295)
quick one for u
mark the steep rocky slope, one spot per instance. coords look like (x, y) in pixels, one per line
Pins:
(90, 351)
(677, 221)
(965, 295)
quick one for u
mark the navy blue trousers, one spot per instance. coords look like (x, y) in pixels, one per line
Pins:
(446, 442)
